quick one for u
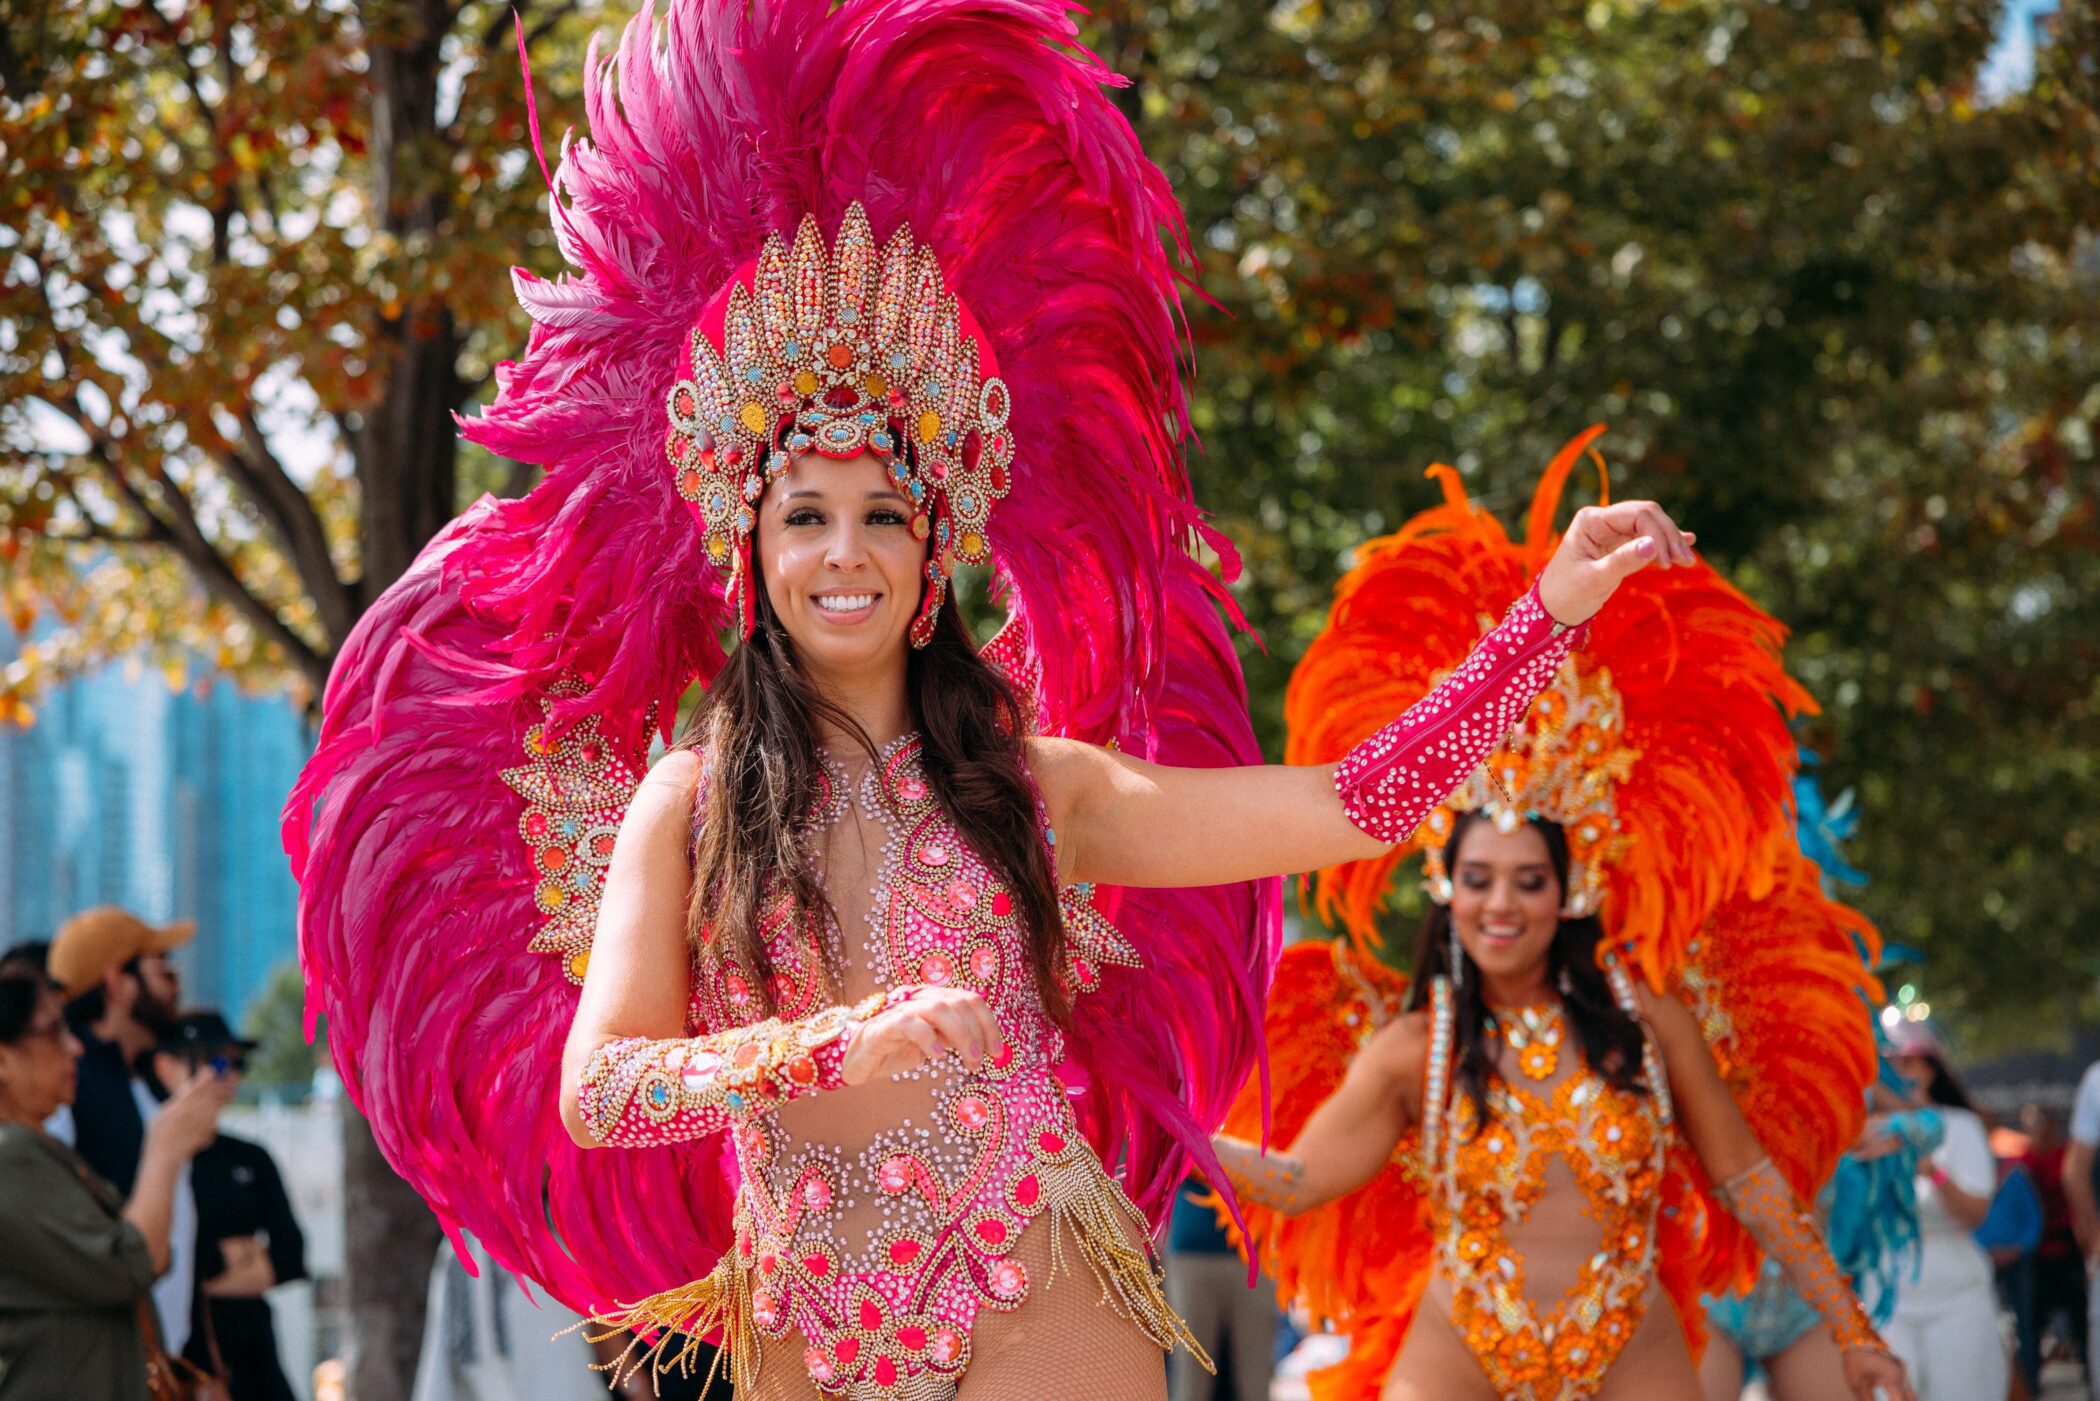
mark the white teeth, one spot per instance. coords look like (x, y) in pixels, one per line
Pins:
(845, 602)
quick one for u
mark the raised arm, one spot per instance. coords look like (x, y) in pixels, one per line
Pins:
(1347, 1139)
(1753, 1189)
(631, 1077)
(1123, 821)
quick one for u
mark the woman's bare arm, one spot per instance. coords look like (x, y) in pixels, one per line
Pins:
(1347, 1139)
(1123, 821)
(1753, 1189)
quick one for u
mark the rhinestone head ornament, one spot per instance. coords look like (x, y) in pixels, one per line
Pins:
(841, 351)
(1564, 763)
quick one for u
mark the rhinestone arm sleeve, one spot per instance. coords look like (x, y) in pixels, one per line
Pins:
(1766, 1205)
(1391, 781)
(635, 1092)
(1274, 1180)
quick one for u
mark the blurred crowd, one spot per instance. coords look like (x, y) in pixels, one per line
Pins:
(137, 1241)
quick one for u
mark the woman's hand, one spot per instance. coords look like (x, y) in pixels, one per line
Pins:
(189, 1119)
(907, 1035)
(1604, 545)
(1876, 1376)
(1876, 1140)
(248, 1273)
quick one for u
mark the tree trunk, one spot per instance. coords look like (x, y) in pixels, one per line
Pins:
(405, 447)
(390, 1240)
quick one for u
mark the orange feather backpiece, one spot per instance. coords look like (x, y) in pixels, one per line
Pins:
(1679, 706)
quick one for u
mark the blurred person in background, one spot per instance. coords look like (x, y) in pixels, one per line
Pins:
(2079, 1186)
(77, 1257)
(486, 1339)
(122, 996)
(248, 1241)
(2059, 1271)
(33, 954)
(1207, 1285)
(2011, 1233)
(1945, 1326)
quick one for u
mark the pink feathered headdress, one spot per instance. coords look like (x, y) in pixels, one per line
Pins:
(491, 712)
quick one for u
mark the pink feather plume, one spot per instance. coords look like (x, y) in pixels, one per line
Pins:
(985, 128)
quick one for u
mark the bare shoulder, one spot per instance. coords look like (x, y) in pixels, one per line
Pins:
(666, 793)
(679, 769)
(1669, 1020)
(1053, 759)
(1660, 1009)
(1398, 1053)
(1063, 768)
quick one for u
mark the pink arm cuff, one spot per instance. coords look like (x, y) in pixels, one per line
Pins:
(1392, 780)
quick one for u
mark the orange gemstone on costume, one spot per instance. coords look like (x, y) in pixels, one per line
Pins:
(579, 964)
(838, 355)
(972, 544)
(689, 483)
(929, 426)
(806, 382)
(753, 417)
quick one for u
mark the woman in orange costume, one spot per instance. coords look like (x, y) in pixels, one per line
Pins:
(1635, 1037)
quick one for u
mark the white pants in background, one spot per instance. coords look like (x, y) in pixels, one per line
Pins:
(1953, 1354)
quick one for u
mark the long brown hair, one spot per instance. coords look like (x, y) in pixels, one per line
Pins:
(756, 733)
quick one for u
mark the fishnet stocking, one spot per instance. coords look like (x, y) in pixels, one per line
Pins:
(1067, 1343)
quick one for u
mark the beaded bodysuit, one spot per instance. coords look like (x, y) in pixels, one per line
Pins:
(1486, 1177)
(876, 1220)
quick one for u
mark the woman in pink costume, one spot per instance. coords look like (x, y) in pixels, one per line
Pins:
(913, 976)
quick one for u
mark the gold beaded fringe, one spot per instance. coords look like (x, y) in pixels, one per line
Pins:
(1080, 1195)
(691, 1311)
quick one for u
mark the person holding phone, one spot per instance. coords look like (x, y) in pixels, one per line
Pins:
(248, 1240)
(78, 1258)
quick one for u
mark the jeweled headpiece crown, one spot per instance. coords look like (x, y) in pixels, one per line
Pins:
(1563, 763)
(840, 354)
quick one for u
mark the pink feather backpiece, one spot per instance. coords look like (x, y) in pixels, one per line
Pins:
(983, 127)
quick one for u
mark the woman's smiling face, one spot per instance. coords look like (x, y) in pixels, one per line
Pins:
(1505, 899)
(843, 569)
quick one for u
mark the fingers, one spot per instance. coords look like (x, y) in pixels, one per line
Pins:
(966, 1025)
(1608, 529)
(934, 1022)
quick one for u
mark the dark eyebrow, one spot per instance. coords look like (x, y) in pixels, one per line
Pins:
(812, 494)
(1527, 866)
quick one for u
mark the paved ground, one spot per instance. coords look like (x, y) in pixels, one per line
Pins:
(2061, 1381)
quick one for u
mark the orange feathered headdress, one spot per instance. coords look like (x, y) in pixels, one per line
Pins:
(1663, 748)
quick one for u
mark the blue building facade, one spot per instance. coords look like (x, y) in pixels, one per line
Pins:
(126, 793)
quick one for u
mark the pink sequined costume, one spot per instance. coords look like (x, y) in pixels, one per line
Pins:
(878, 1229)
(490, 716)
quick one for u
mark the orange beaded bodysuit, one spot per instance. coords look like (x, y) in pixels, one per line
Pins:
(1501, 1246)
